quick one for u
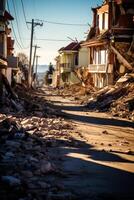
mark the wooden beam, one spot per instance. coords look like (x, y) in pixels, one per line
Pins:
(122, 59)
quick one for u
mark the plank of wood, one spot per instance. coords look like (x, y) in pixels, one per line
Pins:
(122, 59)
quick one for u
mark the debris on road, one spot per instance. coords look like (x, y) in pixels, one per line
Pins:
(76, 90)
(25, 165)
(118, 99)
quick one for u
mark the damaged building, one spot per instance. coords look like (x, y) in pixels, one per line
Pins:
(8, 62)
(110, 41)
(71, 60)
(66, 63)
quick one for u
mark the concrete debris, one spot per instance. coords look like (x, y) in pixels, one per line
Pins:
(105, 132)
(117, 99)
(46, 166)
(11, 180)
(24, 158)
(76, 90)
(124, 49)
(24, 142)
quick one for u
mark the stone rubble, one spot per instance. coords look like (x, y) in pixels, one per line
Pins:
(24, 160)
(117, 99)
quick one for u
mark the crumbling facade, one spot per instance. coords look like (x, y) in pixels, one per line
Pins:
(66, 63)
(71, 60)
(8, 62)
(110, 41)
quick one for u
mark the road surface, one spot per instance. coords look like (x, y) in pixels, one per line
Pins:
(98, 163)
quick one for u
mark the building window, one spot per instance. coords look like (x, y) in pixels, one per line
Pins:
(103, 21)
(97, 20)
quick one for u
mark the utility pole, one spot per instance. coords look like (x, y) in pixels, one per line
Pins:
(33, 25)
(36, 68)
(34, 56)
(36, 64)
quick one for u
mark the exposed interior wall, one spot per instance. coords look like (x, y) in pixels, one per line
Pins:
(102, 79)
(99, 55)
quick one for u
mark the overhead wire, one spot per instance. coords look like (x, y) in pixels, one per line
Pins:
(24, 13)
(17, 42)
(53, 40)
(49, 39)
(18, 26)
(64, 24)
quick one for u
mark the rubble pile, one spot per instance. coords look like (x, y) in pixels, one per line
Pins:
(126, 51)
(85, 76)
(76, 90)
(26, 168)
(124, 106)
(118, 99)
(27, 102)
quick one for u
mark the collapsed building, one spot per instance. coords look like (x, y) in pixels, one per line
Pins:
(110, 41)
(107, 53)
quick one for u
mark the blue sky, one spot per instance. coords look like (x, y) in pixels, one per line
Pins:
(64, 11)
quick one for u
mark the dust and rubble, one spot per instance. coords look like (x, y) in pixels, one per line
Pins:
(25, 136)
(116, 99)
(36, 145)
(75, 90)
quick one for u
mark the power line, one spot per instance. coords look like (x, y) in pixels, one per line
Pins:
(64, 24)
(50, 39)
(18, 25)
(17, 42)
(53, 40)
(24, 13)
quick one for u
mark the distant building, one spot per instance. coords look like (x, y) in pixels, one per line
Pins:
(66, 63)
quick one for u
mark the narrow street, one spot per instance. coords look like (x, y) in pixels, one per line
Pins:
(99, 163)
(67, 100)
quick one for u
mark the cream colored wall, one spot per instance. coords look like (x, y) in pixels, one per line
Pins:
(83, 57)
(67, 58)
(101, 21)
(106, 20)
(62, 58)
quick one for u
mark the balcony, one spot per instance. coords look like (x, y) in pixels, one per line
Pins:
(97, 68)
(65, 67)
